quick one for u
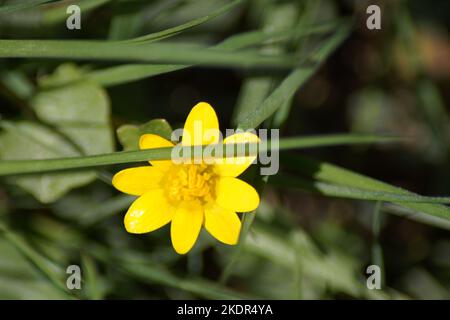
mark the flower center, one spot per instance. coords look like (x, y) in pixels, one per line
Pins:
(190, 182)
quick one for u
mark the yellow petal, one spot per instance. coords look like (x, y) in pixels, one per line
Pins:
(137, 181)
(149, 212)
(236, 195)
(201, 126)
(185, 227)
(152, 141)
(233, 167)
(222, 224)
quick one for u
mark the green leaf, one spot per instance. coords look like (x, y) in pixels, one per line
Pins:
(252, 94)
(153, 52)
(18, 83)
(92, 284)
(26, 140)
(415, 215)
(129, 135)
(22, 5)
(287, 88)
(125, 25)
(337, 270)
(331, 173)
(255, 89)
(80, 112)
(340, 191)
(33, 166)
(77, 123)
(20, 279)
(186, 26)
(65, 74)
(58, 14)
(152, 273)
(131, 72)
(51, 271)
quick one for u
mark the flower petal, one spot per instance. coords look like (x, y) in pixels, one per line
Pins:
(149, 212)
(185, 227)
(152, 141)
(137, 181)
(233, 167)
(236, 195)
(222, 224)
(201, 126)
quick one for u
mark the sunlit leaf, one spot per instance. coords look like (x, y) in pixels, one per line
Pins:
(129, 134)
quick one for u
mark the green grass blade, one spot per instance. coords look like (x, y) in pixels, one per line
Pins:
(377, 250)
(334, 140)
(253, 92)
(131, 72)
(331, 173)
(286, 90)
(51, 271)
(58, 14)
(92, 285)
(152, 273)
(418, 216)
(10, 167)
(340, 191)
(185, 26)
(330, 268)
(22, 5)
(155, 53)
(256, 88)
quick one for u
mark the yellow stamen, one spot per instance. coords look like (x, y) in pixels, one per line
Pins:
(190, 182)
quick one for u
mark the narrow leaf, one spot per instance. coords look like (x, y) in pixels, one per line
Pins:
(185, 26)
(340, 191)
(22, 5)
(155, 53)
(286, 90)
(32, 166)
(331, 173)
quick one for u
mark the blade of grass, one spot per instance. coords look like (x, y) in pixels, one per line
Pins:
(51, 271)
(185, 26)
(377, 251)
(124, 25)
(155, 53)
(254, 90)
(332, 268)
(22, 5)
(340, 191)
(57, 14)
(131, 72)
(91, 283)
(286, 90)
(10, 167)
(418, 216)
(247, 221)
(152, 273)
(331, 173)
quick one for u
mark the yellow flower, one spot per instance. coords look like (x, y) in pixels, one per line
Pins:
(190, 195)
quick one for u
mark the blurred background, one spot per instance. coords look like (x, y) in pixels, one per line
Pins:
(301, 245)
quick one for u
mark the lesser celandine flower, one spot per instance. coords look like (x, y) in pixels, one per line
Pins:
(189, 195)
